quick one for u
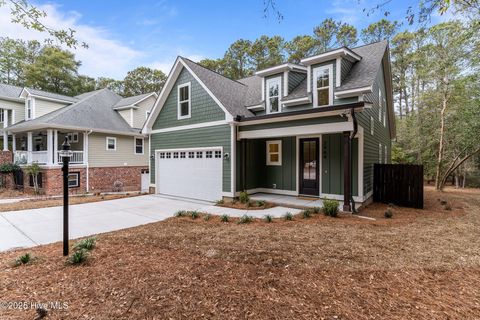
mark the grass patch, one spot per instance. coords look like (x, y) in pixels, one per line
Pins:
(78, 257)
(245, 219)
(87, 244)
(193, 214)
(224, 218)
(288, 216)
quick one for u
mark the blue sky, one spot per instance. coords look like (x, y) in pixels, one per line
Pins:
(125, 34)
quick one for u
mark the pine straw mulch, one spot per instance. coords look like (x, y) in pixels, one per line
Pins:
(42, 202)
(418, 265)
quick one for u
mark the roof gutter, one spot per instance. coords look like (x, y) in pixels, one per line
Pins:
(46, 125)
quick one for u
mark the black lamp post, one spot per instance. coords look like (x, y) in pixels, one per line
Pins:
(65, 154)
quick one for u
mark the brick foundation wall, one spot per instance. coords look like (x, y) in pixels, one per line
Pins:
(6, 157)
(52, 182)
(103, 179)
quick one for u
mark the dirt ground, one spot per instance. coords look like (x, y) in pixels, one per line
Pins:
(422, 264)
(48, 202)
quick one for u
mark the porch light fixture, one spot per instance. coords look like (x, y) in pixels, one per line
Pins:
(65, 154)
(226, 156)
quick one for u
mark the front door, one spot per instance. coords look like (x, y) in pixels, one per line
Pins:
(309, 173)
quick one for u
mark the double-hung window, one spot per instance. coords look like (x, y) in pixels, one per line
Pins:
(111, 143)
(273, 95)
(323, 86)
(274, 153)
(138, 145)
(29, 111)
(184, 101)
(2, 118)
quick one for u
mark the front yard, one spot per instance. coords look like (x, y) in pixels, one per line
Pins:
(418, 265)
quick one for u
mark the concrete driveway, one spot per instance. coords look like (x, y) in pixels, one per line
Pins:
(28, 228)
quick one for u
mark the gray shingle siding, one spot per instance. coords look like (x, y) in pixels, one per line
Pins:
(346, 67)
(294, 79)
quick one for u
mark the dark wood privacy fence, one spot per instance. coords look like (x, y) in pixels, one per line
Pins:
(400, 184)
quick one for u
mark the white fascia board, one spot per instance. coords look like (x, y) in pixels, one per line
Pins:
(279, 69)
(42, 126)
(353, 92)
(126, 107)
(342, 52)
(52, 99)
(302, 100)
(299, 130)
(257, 107)
(11, 99)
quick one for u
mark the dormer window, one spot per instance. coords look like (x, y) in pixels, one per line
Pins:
(323, 86)
(184, 101)
(273, 95)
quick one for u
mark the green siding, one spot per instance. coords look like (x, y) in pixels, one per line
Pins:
(203, 107)
(293, 123)
(195, 138)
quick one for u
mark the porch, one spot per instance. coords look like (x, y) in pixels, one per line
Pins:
(43, 147)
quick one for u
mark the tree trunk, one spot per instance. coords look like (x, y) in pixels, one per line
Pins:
(438, 184)
(400, 104)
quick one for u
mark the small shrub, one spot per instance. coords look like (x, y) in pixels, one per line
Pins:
(224, 218)
(207, 217)
(23, 259)
(307, 213)
(268, 218)
(389, 213)
(193, 214)
(180, 213)
(330, 207)
(87, 244)
(288, 216)
(245, 219)
(244, 198)
(261, 203)
(316, 210)
(78, 256)
(220, 202)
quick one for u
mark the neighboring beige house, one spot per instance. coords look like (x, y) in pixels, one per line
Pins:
(104, 129)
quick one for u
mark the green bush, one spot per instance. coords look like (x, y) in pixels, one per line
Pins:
(207, 217)
(316, 210)
(87, 244)
(224, 218)
(330, 207)
(180, 213)
(307, 213)
(193, 214)
(288, 216)
(9, 168)
(23, 259)
(244, 198)
(268, 218)
(78, 256)
(389, 213)
(245, 219)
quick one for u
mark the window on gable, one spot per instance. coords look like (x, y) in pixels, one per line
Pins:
(29, 114)
(323, 86)
(111, 143)
(274, 153)
(138, 145)
(184, 101)
(273, 95)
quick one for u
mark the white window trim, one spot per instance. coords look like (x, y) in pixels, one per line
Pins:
(188, 84)
(2, 115)
(32, 108)
(330, 85)
(77, 175)
(272, 163)
(277, 80)
(372, 126)
(135, 145)
(115, 143)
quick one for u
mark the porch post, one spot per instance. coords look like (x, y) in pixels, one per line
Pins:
(5, 134)
(50, 157)
(55, 146)
(14, 142)
(243, 167)
(347, 171)
(29, 147)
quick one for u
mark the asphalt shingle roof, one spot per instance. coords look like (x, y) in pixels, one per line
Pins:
(10, 91)
(130, 100)
(93, 112)
(51, 95)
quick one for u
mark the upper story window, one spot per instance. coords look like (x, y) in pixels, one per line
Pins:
(323, 86)
(184, 101)
(29, 109)
(273, 95)
(1, 115)
(111, 143)
(138, 145)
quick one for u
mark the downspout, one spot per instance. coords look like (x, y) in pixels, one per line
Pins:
(352, 137)
(88, 155)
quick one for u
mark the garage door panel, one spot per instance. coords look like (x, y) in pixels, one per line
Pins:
(197, 178)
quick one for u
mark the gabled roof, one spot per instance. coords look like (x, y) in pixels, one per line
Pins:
(253, 95)
(94, 112)
(49, 95)
(9, 91)
(130, 101)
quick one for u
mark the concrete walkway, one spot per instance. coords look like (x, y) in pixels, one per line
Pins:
(28, 228)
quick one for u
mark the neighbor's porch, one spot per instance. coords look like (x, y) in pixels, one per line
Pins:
(43, 147)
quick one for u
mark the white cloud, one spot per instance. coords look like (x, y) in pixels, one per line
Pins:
(104, 57)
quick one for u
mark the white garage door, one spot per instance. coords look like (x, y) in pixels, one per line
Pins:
(195, 174)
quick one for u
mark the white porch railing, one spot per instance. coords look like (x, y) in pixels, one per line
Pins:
(77, 157)
(20, 157)
(40, 157)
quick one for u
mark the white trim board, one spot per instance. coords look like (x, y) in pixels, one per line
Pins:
(191, 126)
(299, 130)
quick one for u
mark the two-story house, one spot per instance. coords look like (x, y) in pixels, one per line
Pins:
(310, 129)
(103, 128)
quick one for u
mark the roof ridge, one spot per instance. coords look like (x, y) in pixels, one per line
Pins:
(221, 75)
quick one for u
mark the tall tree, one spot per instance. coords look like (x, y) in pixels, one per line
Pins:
(300, 47)
(267, 51)
(109, 83)
(217, 65)
(330, 34)
(54, 70)
(15, 55)
(380, 30)
(143, 80)
(236, 60)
